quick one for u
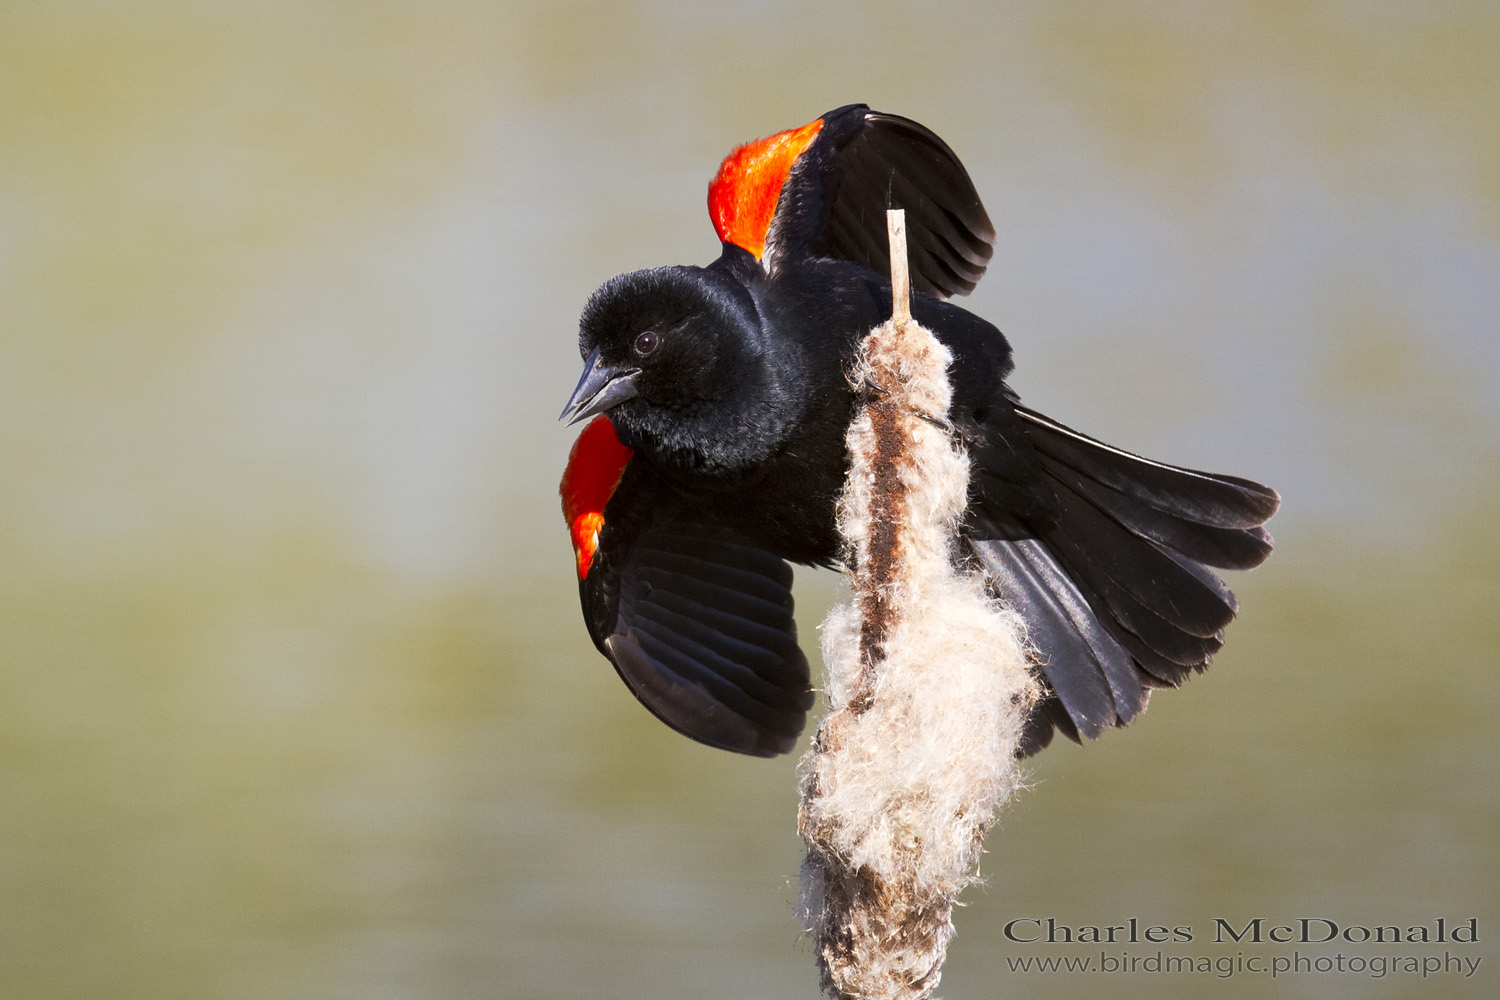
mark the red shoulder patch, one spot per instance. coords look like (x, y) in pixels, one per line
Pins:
(743, 194)
(595, 466)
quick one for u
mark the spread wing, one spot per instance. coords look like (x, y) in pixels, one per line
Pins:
(822, 190)
(696, 620)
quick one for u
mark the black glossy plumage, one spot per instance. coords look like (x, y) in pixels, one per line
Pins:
(736, 408)
(863, 163)
(699, 624)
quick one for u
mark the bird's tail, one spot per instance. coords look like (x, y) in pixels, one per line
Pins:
(1117, 593)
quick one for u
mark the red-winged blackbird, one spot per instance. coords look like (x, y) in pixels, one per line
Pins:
(718, 453)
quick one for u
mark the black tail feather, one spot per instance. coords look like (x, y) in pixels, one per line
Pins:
(1144, 587)
(1200, 497)
(1225, 548)
(1084, 665)
(1116, 589)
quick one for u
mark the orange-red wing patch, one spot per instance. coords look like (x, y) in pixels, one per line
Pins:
(595, 466)
(742, 196)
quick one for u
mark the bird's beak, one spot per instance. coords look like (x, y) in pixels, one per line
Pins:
(602, 386)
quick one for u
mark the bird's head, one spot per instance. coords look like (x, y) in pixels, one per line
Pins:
(676, 356)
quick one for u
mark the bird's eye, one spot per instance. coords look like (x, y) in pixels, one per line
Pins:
(647, 342)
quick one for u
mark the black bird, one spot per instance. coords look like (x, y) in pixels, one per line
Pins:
(720, 402)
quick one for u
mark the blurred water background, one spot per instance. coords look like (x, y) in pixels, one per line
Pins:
(295, 700)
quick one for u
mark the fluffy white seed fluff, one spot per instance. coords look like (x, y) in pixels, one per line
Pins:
(928, 687)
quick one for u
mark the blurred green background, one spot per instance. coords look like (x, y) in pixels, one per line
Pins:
(295, 700)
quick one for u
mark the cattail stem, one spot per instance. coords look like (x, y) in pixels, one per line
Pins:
(927, 679)
(895, 229)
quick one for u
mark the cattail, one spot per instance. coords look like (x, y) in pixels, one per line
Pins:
(927, 680)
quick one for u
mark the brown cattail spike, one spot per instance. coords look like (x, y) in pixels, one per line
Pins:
(928, 686)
